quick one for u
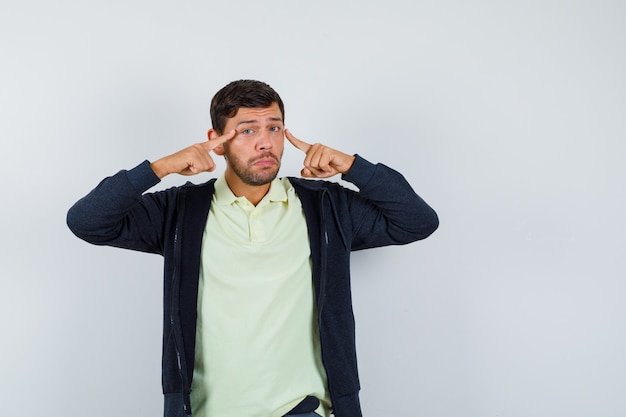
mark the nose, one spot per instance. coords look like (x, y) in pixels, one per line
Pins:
(264, 141)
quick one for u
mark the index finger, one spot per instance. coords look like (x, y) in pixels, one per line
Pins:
(214, 143)
(300, 144)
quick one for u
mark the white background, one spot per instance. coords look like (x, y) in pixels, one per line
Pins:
(507, 117)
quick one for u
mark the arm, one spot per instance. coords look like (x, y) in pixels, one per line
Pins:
(385, 211)
(117, 213)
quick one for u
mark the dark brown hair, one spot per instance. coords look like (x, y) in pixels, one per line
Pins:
(242, 93)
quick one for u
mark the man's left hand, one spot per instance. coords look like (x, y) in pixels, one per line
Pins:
(320, 160)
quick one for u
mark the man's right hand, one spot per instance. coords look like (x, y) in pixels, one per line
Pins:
(192, 160)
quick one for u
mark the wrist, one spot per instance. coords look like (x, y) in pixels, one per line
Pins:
(159, 168)
(348, 165)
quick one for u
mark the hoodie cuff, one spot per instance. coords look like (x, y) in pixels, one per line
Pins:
(360, 173)
(142, 177)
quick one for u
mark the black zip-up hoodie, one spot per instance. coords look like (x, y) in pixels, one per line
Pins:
(385, 211)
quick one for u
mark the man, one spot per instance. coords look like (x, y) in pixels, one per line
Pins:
(258, 317)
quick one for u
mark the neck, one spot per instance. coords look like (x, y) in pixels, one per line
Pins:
(253, 193)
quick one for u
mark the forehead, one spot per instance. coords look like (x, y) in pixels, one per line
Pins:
(257, 114)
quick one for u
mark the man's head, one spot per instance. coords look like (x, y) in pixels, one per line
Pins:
(243, 93)
(256, 112)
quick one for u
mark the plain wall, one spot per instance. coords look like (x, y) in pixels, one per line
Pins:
(507, 117)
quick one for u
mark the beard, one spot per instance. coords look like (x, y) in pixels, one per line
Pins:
(251, 174)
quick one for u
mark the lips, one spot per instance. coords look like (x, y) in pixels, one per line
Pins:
(265, 160)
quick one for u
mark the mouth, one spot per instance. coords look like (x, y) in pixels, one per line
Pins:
(265, 160)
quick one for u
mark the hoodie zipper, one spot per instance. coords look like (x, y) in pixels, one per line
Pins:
(324, 260)
(322, 295)
(175, 305)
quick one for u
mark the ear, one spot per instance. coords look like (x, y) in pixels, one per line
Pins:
(212, 135)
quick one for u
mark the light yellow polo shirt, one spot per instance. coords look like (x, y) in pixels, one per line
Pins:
(257, 340)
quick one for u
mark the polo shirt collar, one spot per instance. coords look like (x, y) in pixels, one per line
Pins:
(224, 195)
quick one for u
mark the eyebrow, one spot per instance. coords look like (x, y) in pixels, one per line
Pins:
(272, 119)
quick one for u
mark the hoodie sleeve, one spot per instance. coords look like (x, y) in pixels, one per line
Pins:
(117, 213)
(386, 210)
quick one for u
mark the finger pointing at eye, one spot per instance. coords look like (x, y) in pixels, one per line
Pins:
(300, 144)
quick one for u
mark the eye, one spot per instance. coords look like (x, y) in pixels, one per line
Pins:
(275, 129)
(247, 131)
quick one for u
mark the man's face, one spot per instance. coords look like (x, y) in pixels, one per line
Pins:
(254, 154)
